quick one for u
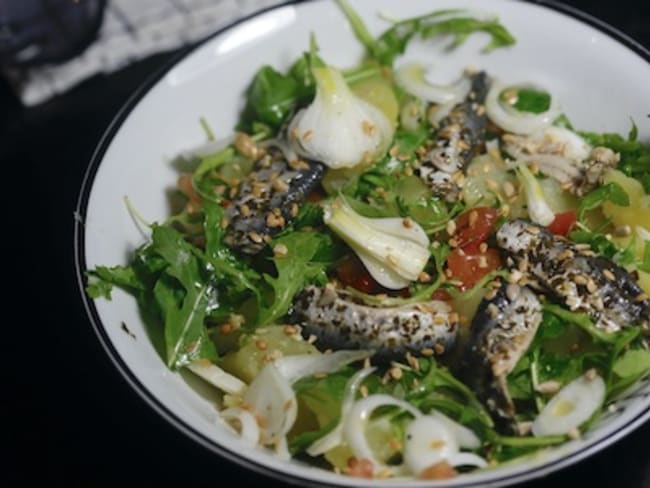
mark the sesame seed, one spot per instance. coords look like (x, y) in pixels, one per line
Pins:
(452, 243)
(591, 286)
(392, 260)
(407, 222)
(395, 372)
(427, 352)
(491, 184)
(641, 297)
(255, 237)
(580, 280)
(451, 227)
(280, 250)
(363, 389)
(483, 247)
(573, 434)
(424, 277)
(279, 185)
(549, 387)
(482, 262)
(609, 275)
(508, 189)
(515, 276)
(622, 231)
(312, 338)
(591, 374)
(226, 328)
(290, 329)
(224, 223)
(439, 320)
(368, 128)
(439, 348)
(307, 135)
(261, 344)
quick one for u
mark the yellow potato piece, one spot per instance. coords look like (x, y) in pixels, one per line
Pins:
(638, 213)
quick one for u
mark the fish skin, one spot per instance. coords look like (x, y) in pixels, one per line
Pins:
(270, 194)
(458, 139)
(501, 332)
(575, 276)
(341, 321)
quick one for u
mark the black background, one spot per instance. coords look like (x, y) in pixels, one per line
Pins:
(69, 418)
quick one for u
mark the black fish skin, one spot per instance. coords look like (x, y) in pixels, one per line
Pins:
(503, 328)
(458, 139)
(340, 321)
(269, 198)
(576, 276)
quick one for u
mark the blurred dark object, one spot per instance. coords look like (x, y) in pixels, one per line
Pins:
(34, 32)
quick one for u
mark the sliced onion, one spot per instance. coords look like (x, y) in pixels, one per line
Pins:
(428, 441)
(217, 377)
(335, 437)
(431, 439)
(513, 120)
(357, 419)
(466, 438)
(467, 459)
(572, 406)
(412, 78)
(295, 367)
(273, 402)
(249, 431)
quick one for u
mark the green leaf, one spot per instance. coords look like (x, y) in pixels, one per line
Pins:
(583, 321)
(294, 270)
(394, 41)
(183, 301)
(227, 267)
(633, 363)
(532, 101)
(612, 192)
(103, 278)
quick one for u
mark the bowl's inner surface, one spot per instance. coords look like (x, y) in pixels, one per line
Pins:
(600, 84)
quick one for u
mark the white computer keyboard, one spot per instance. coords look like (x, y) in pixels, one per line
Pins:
(132, 30)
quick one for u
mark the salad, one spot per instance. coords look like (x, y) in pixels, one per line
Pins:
(388, 276)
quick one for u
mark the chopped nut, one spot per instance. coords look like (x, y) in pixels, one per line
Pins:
(395, 372)
(261, 344)
(226, 328)
(280, 250)
(549, 387)
(451, 227)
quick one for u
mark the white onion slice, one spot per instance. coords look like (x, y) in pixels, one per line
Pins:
(514, 121)
(428, 441)
(466, 438)
(413, 79)
(217, 377)
(572, 406)
(357, 419)
(467, 459)
(335, 437)
(434, 438)
(295, 367)
(273, 402)
(249, 430)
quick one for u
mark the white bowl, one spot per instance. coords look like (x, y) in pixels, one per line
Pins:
(599, 76)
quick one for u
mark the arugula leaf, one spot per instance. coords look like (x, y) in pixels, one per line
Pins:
(635, 156)
(583, 321)
(226, 265)
(183, 309)
(103, 279)
(612, 192)
(294, 271)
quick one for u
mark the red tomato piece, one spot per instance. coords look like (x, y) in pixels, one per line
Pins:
(469, 268)
(352, 272)
(474, 227)
(563, 223)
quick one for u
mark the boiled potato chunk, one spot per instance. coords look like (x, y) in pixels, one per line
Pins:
(638, 212)
(259, 348)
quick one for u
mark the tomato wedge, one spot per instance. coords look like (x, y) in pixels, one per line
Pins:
(563, 223)
(474, 227)
(469, 267)
(352, 272)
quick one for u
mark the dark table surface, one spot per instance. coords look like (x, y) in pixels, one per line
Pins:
(72, 420)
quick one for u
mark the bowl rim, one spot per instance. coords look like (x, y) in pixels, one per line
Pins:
(165, 412)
